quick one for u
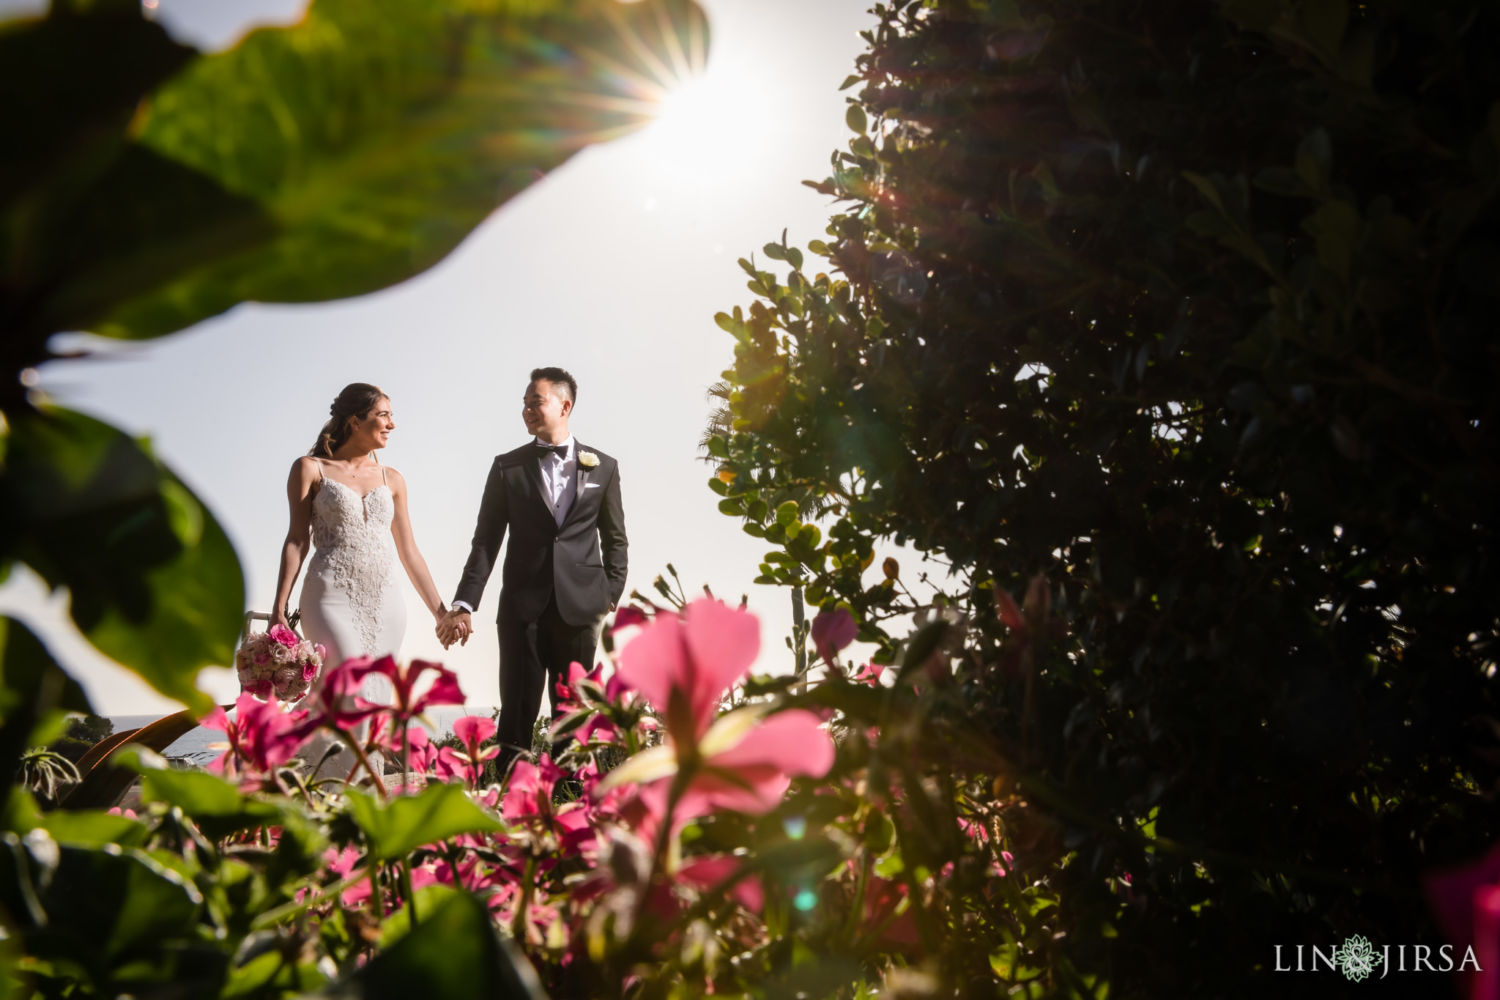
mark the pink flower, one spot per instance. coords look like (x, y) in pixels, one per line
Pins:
(752, 773)
(713, 872)
(1466, 901)
(627, 616)
(444, 689)
(261, 736)
(566, 692)
(744, 761)
(472, 731)
(832, 631)
(529, 790)
(870, 674)
(335, 702)
(684, 663)
(283, 636)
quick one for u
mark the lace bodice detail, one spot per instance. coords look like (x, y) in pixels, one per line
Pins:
(355, 549)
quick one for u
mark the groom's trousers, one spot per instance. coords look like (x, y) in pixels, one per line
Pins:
(534, 656)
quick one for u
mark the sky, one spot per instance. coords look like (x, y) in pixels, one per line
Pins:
(612, 267)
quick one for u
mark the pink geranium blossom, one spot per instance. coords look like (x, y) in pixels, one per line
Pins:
(468, 764)
(744, 761)
(1466, 901)
(444, 689)
(712, 872)
(529, 790)
(261, 736)
(335, 702)
(752, 772)
(684, 663)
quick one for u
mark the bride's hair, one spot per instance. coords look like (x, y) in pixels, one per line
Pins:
(356, 400)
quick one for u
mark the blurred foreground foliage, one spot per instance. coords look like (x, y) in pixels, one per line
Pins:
(147, 187)
(1176, 318)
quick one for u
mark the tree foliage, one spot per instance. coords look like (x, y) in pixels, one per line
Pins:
(1173, 316)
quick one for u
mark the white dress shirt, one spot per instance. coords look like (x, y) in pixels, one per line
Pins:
(560, 478)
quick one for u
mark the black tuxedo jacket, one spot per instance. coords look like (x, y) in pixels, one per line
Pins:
(581, 563)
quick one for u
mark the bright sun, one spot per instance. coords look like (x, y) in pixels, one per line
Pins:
(709, 124)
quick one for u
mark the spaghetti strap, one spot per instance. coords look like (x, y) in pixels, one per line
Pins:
(382, 474)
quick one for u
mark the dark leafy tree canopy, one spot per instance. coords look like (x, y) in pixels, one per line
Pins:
(1184, 307)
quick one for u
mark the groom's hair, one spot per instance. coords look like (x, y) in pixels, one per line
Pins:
(558, 377)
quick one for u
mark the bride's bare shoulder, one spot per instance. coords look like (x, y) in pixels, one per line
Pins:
(306, 469)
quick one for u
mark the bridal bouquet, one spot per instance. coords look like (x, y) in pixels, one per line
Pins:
(278, 662)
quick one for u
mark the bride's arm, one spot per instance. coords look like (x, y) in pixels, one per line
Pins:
(406, 548)
(299, 492)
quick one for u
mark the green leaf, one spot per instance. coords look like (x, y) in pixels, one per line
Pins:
(774, 251)
(215, 804)
(1206, 188)
(403, 824)
(455, 954)
(35, 694)
(154, 581)
(922, 645)
(786, 513)
(94, 829)
(374, 135)
(1323, 22)
(1315, 159)
(1335, 229)
(641, 768)
(855, 118)
(100, 912)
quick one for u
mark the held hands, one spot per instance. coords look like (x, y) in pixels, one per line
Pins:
(456, 625)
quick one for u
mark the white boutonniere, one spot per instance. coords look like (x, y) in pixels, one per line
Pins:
(588, 459)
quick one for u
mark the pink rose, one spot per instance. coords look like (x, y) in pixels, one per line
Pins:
(283, 635)
(309, 671)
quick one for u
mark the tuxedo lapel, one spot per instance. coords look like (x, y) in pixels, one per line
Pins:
(533, 466)
(581, 494)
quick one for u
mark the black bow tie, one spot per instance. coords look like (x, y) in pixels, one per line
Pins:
(560, 450)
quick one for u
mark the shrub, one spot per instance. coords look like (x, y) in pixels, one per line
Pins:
(1172, 317)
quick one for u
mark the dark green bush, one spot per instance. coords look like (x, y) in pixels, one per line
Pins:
(1186, 308)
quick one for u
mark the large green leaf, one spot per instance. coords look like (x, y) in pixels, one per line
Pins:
(154, 581)
(33, 690)
(407, 822)
(454, 954)
(216, 805)
(114, 920)
(87, 217)
(376, 134)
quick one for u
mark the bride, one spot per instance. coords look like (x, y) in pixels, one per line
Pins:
(353, 511)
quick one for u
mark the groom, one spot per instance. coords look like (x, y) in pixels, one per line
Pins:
(565, 566)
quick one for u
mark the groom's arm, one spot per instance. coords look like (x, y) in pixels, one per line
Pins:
(489, 532)
(612, 541)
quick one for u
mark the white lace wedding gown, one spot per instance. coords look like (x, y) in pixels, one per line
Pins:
(351, 600)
